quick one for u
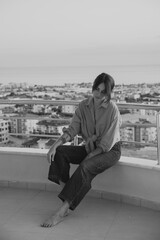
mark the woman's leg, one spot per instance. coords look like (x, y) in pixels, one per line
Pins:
(60, 167)
(80, 182)
(59, 173)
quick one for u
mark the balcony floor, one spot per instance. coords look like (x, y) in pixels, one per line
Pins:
(22, 212)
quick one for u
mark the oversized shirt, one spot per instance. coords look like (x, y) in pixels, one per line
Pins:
(99, 128)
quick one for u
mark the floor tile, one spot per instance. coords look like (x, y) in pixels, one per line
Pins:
(135, 223)
(22, 212)
(90, 226)
(20, 235)
(62, 236)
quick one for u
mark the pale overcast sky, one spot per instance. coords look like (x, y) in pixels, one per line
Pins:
(79, 32)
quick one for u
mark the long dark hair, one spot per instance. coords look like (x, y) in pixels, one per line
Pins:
(108, 82)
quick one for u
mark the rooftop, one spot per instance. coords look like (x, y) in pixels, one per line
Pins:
(22, 211)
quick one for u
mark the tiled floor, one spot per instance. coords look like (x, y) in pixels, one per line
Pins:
(22, 212)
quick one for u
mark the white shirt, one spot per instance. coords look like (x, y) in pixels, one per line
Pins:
(99, 127)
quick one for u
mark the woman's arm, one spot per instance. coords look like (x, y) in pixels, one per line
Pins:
(63, 139)
(74, 127)
(68, 134)
(111, 135)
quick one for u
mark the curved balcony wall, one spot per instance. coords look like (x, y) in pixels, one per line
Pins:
(134, 181)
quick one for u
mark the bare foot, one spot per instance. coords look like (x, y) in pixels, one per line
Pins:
(52, 221)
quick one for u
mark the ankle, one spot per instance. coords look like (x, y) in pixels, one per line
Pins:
(64, 209)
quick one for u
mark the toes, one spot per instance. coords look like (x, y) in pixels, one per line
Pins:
(52, 222)
(46, 225)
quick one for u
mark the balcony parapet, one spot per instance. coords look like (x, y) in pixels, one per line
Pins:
(133, 181)
(73, 102)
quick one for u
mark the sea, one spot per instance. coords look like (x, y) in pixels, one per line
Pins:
(59, 75)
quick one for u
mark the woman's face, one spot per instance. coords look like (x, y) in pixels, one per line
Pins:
(99, 93)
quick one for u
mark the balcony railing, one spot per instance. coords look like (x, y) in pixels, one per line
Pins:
(121, 106)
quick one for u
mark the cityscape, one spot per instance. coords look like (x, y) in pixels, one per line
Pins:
(20, 122)
(50, 54)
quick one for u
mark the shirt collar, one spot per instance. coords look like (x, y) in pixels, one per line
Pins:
(89, 102)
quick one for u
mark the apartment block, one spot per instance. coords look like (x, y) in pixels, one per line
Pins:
(4, 131)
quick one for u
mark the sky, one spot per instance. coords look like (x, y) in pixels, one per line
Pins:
(35, 33)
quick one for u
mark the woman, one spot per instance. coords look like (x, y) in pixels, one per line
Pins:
(97, 120)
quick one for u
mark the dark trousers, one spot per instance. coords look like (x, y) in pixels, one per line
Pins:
(79, 183)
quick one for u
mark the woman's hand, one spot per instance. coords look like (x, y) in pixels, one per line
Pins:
(51, 153)
(90, 155)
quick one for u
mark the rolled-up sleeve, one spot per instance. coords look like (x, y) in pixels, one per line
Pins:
(75, 125)
(112, 135)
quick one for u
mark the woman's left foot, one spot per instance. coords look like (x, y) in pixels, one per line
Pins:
(52, 221)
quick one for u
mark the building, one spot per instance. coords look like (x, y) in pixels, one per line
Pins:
(4, 131)
(51, 127)
(18, 126)
(31, 125)
(127, 134)
(148, 135)
(138, 133)
(42, 143)
(69, 109)
(38, 108)
(8, 109)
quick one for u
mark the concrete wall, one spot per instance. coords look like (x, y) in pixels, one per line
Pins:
(132, 180)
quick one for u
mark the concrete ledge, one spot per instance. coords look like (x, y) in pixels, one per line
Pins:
(136, 201)
(133, 181)
(22, 151)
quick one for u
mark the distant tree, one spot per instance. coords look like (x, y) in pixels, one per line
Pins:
(66, 114)
(130, 100)
(12, 94)
(124, 111)
(19, 105)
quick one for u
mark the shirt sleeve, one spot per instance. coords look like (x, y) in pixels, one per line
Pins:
(75, 125)
(111, 135)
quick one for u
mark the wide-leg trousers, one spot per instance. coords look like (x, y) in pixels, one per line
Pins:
(77, 185)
